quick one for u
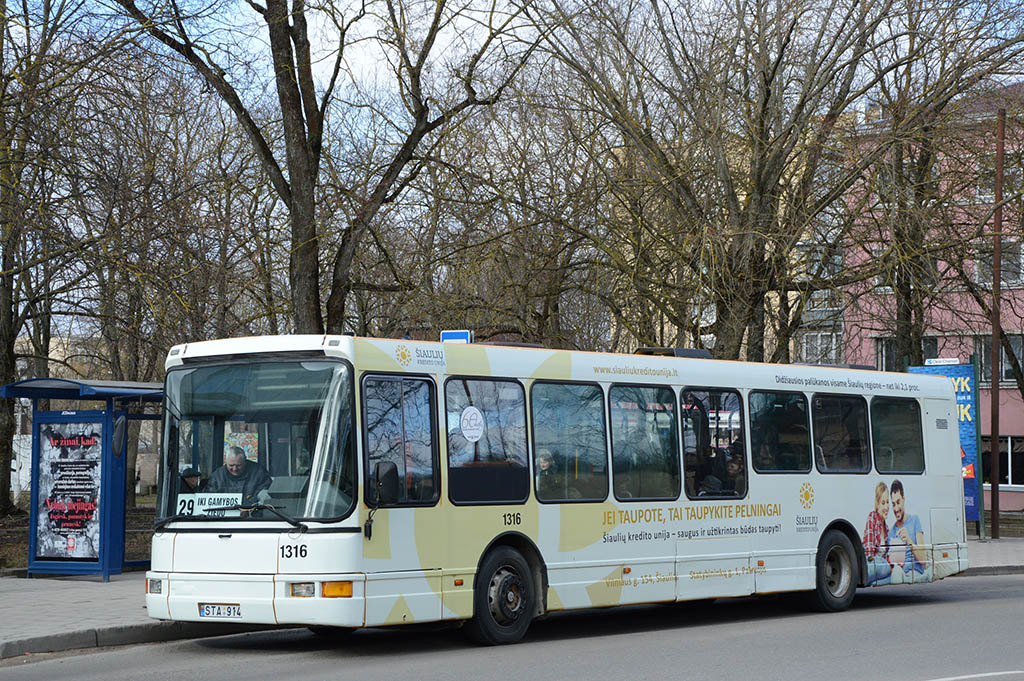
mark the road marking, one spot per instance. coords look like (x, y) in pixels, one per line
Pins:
(977, 676)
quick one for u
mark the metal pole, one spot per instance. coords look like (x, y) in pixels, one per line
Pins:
(996, 322)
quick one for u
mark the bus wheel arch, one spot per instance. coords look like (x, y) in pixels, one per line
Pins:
(524, 545)
(858, 547)
(507, 590)
(837, 570)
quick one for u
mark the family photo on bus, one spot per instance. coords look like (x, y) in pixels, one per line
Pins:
(895, 553)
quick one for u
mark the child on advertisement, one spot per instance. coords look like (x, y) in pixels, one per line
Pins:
(875, 543)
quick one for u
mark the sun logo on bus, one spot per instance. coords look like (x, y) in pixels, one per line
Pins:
(806, 495)
(403, 355)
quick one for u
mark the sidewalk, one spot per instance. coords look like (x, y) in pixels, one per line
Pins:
(1003, 556)
(46, 615)
(64, 613)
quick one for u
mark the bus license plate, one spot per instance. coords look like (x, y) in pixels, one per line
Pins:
(220, 610)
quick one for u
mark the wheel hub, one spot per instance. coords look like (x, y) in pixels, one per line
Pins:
(837, 572)
(505, 596)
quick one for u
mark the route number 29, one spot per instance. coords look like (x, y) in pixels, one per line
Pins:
(512, 518)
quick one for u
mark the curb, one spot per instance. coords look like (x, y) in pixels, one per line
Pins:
(993, 570)
(122, 635)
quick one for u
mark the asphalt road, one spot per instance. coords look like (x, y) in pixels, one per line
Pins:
(967, 627)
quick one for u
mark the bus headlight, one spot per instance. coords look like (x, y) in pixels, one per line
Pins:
(303, 590)
(154, 586)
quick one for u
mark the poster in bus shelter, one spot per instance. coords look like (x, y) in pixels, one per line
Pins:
(67, 516)
(962, 376)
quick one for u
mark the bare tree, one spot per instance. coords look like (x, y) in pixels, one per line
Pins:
(45, 48)
(741, 115)
(430, 89)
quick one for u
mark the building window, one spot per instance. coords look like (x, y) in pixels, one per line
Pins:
(820, 265)
(986, 189)
(887, 360)
(1011, 460)
(1011, 267)
(882, 281)
(983, 348)
(820, 346)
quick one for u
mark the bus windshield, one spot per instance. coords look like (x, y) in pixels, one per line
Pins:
(257, 434)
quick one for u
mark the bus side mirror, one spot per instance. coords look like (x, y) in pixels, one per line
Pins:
(386, 473)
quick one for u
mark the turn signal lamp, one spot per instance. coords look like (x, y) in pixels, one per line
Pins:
(154, 586)
(303, 590)
(337, 590)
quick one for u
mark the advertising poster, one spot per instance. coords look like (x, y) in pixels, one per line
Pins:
(243, 435)
(962, 376)
(67, 518)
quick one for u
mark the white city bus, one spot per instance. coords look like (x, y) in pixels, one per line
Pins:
(352, 482)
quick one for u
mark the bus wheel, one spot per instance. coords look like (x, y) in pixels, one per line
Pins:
(836, 573)
(504, 598)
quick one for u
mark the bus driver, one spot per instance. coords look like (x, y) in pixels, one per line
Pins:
(240, 475)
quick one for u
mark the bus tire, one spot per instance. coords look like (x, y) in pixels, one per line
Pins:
(836, 567)
(504, 598)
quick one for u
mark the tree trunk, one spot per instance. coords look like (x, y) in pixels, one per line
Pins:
(8, 374)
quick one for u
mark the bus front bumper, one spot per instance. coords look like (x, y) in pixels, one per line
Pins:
(258, 599)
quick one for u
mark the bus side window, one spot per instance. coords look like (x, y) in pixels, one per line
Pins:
(840, 425)
(569, 442)
(487, 443)
(713, 437)
(780, 432)
(645, 450)
(400, 429)
(896, 435)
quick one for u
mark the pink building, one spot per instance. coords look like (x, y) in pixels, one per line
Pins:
(858, 326)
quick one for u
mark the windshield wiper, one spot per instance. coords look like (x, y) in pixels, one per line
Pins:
(159, 524)
(261, 507)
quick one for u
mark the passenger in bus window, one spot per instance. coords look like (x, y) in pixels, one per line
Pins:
(765, 457)
(735, 481)
(544, 464)
(552, 484)
(833, 442)
(302, 462)
(710, 486)
(547, 487)
(189, 481)
(846, 461)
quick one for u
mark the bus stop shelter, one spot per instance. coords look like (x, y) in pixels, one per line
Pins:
(79, 472)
